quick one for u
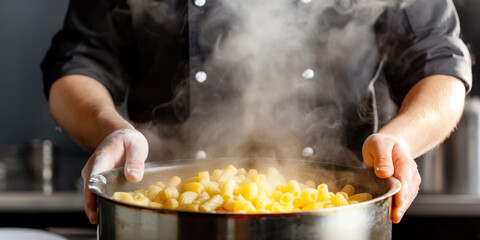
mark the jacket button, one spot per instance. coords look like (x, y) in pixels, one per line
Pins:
(308, 74)
(201, 76)
(307, 152)
(201, 155)
(199, 3)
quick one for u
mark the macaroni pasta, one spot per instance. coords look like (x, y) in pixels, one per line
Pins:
(240, 191)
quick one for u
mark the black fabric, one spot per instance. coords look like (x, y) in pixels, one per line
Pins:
(146, 58)
(127, 50)
(92, 44)
(422, 40)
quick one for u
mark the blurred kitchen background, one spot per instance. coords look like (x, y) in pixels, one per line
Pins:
(39, 165)
(49, 196)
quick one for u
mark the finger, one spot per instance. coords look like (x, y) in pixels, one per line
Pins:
(406, 172)
(367, 156)
(401, 198)
(98, 162)
(404, 198)
(377, 152)
(109, 154)
(90, 205)
(383, 164)
(103, 161)
(136, 149)
(89, 198)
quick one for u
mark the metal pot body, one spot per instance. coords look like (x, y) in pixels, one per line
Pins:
(367, 220)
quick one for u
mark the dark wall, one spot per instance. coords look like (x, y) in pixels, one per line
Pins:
(469, 14)
(26, 29)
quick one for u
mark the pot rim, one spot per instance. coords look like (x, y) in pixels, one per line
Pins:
(97, 181)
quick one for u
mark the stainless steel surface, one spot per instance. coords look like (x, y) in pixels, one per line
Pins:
(75, 233)
(40, 163)
(445, 205)
(368, 220)
(31, 184)
(432, 168)
(40, 159)
(463, 148)
(31, 167)
(3, 171)
(39, 202)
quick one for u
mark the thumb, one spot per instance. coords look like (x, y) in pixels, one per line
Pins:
(136, 152)
(378, 152)
(383, 164)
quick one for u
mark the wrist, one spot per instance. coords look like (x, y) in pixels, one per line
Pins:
(106, 122)
(399, 139)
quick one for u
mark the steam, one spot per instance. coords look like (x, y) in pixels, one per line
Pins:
(261, 104)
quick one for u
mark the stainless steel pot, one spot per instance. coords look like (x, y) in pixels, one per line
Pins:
(367, 220)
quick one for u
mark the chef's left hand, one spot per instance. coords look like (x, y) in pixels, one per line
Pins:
(388, 156)
(123, 147)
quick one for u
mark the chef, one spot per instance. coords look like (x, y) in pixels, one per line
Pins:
(172, 63)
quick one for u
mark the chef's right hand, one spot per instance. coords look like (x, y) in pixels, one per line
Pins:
(125, 147)
(389, 157)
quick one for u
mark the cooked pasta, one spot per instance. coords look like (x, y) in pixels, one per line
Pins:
(174, 182)
(201, 198)
(123, 196)
(348, 189)
(171, 204)
(204, 177)
(140, 199)
(361, 197)
(313, 206)
(153, 192)
(189, 207)
(212, 204)
(212, 188)
(339, 199)
(241, 191)
(187, 198)
(286, 199)
(309, 195)
(171, 193)
(194, 187)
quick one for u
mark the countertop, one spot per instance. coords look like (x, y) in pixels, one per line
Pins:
(445, 205)
(40, 202)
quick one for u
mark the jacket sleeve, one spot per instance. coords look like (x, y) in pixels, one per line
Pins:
(93, 42)
(420, 40)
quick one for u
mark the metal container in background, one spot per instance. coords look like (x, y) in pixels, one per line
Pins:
(366, 220)
(28, 166)
(40, 159)
(462, 151)
(432, 169)
(41, 164)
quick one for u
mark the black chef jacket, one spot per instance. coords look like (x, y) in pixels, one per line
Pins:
(151, 52)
